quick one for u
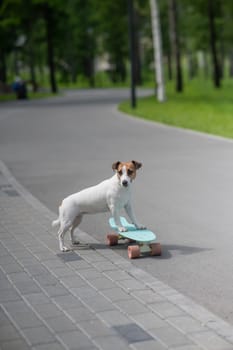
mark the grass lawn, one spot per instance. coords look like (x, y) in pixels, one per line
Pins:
(31, 95)
(200, 107)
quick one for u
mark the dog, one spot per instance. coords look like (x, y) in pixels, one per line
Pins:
(111, 195)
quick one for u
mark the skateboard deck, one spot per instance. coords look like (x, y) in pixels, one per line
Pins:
(144, 240)
(132, 232)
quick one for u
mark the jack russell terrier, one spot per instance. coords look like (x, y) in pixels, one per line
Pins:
(112, 194)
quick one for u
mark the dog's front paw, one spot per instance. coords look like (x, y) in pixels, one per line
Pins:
(65, 249)
(122, 229)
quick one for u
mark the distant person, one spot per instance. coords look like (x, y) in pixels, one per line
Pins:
(20, 88)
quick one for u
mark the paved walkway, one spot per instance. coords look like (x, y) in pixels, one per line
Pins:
(90, 298)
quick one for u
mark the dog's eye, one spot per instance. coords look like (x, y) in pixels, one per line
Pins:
(129, 172)
(120, 172)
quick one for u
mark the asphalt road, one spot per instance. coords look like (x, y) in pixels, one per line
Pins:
(183, 192)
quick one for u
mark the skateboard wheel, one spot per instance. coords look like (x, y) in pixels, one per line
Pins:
(112, 239)
(155, 249)
(133, 251)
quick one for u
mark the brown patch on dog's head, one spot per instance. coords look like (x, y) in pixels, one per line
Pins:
(126, 169)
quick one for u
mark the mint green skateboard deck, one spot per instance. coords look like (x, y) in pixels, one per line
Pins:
(144, 240)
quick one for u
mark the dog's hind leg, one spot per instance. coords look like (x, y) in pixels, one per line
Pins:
(76, 222)
(61, 233)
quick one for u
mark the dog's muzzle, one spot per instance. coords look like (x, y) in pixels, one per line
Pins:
(125, 183)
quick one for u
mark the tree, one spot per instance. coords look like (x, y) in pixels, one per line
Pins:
(213, 38)
(175, 42)
(157, 46)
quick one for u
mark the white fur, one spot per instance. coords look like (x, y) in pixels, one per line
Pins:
(110, 194)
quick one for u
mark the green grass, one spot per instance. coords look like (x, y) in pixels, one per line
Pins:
(200, 107)
(31, 96)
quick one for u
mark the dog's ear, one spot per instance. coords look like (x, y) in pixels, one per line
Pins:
(115, 165)
(137, 164)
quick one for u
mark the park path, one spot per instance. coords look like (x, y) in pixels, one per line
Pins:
(183, 192)
(90, 298)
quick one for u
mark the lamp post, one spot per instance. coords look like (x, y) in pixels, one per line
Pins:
(131, 52)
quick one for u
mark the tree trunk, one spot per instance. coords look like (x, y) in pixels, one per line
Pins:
(2, 66)
(175, 43)
(231, 64)
(169, 65)
(31, 59)
(213, 37)
(50, 49)
(157, 46)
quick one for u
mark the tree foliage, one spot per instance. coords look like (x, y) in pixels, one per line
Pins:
(67, 37)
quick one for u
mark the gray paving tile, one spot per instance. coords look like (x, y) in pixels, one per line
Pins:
(18, 344)
(61, 324)
(76, 339)
(72, 281)
(39, 335)
(12, 268)
(80, 265)
(4, 320)
(117, 275)
(47, 310)
(112, 342)
(16, 306)
(151, 345)
(116, 294)
(27, 287)
(166, 309)
(50, 346)
(102, 283)
(37, 298)
(67, 301)
(130, 285)
(171, 336)
(81, 314)
(114, 317)
(46, 279)
(55, 290)
(186, 347)
(4, 283)
(20, 276)
(52, 262)
(99, 303)
(147, 296)
(90, 273)
(7, 295)
(211, 340)
(131, 307)
(149, 320)
(186, 324)
(96, 328)
(36, 269)
(63, 271)
(6, 259)
(84, 292)
(8, 332)
(26, 319)
(105, 266)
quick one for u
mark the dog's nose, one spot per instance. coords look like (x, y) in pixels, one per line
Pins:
(125, 183)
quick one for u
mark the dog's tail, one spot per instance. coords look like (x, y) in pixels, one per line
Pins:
(56, 223)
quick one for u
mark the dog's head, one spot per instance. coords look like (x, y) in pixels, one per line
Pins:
(126, 171)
